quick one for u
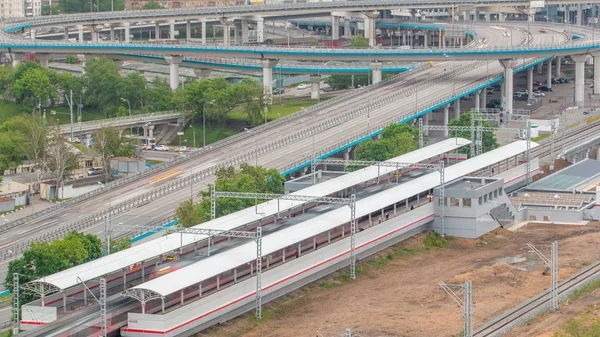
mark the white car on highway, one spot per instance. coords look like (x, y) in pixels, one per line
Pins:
(302, 86)
(538, 93)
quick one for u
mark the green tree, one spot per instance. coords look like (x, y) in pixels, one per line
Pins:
(161, 96)
(152, 5)
(33, 86)
(488, 138)
(67, 82)
(6, 79)
(60, 159)
(188, 214)
(102, 82)
(359, 42)
(395, 141)
(91, 243)
(33, 142)
(70, 59)
(107, 143)
(135, 89)
(256, 103)
(120, 244)
(50, 10)
(245, 179)
(11, 146)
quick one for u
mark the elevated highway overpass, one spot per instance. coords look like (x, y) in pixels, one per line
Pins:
(141, 120)
(286, 144)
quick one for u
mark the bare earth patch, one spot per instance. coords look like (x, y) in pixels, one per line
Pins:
(400, 296)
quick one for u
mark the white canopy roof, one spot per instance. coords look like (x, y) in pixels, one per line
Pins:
(237, 256)
(165, 244)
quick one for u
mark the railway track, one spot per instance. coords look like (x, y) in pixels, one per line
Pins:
(571, 137)
(514, 317)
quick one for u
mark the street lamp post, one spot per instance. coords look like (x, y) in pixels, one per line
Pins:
(204, 122)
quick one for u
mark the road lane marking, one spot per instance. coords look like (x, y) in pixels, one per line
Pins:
(164, 176)
(8, 244)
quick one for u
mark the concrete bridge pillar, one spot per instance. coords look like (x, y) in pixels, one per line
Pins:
(596, 74)
(503, 94)
(16, 59)
(558, 62)
(150, 131)
(426, 39)
(549, 74)
(226, 34)
(579, 79)
(43, 58)
(172, 29)
(530, 82)
(377, 71)
(446, 112)
(203, 22)
(188, 30)
(483, 103)
(32, 33)
(346, 154)
(112, 33)
(457, 109)
(157, 30)
(95, 32)
(81, 58)
(237, 28)
(66, 32)
(80, 33)
(501, 17)
(127, 31)
(566, 13)
(509, 66)
(579, 15)
(347, 32)
(478, 100)
(404, 38)
(260, 30)
(540, 68)
(174, 62)
(335, 27)
(244, 31)
(268, 65)
(315, 86)
(202, 73)
(430, 116)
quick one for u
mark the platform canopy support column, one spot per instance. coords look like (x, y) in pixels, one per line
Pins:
(579, 79)
(174, 62)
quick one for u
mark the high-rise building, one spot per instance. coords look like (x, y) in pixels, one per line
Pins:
(11, 9)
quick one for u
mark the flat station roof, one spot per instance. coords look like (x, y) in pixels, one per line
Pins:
(165, 244)
(569, 178)
(237, 256)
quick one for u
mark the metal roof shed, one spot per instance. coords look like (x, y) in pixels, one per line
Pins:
(117, 261)
(202, 270)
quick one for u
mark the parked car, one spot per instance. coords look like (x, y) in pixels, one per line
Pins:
(490, 90)
(278, 91)
(93, 171)
(520, 97)
(555, 81)
(161, 148)
(537, 83)
(494, 104)
(564, 80)
(302, 86)
(496, 87)
(538, 93)
(522, 93)
(545, 88)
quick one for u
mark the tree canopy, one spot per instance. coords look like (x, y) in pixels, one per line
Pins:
(152, 5)
(247, 178)
(489, 141)
(395, 140)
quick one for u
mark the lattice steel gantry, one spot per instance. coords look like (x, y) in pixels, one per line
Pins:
(466, 302)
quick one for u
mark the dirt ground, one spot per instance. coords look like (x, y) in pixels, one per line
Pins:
(402, 297)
